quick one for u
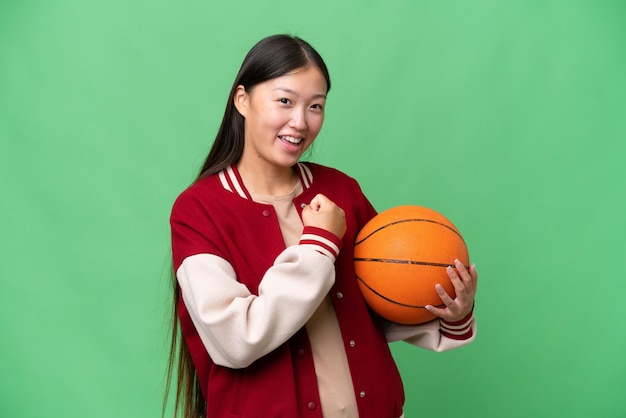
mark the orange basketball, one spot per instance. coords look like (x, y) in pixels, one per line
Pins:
(400, 255)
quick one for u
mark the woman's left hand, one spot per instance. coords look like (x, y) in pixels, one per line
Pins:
(465, 282)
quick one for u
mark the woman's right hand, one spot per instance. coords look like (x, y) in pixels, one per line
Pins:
(325, 214)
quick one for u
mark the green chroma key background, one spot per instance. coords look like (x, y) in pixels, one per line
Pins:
(507, 117)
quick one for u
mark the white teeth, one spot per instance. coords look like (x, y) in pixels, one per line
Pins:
(291, 139)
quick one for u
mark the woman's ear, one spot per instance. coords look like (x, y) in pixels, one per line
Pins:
(240, 100)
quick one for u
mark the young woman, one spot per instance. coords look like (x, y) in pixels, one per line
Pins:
(272, 320)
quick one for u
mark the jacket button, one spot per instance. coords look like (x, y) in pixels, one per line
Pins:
(352, 343)
(362, 394)
(312, 406)
(339, 295)
(303, 205)
(300, 352)
(266, 212)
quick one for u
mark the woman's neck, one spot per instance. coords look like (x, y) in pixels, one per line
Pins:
(274, 181)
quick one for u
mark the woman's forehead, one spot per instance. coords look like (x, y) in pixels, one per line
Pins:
(309, 80)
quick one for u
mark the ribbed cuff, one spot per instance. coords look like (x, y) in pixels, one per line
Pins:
(458, 330)
(323, 241)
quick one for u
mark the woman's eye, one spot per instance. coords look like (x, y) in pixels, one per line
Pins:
(317, 107)
(284, 101)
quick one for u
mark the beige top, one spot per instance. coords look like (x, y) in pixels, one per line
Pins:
(331, 364)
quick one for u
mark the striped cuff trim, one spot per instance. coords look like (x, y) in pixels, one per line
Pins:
(458, 330)
(322, 241)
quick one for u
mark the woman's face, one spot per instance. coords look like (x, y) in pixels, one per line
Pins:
(282, 117)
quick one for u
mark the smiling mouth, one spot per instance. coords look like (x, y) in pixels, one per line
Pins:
(290, 139)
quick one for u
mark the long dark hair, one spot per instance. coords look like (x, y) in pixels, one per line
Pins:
(270, 58)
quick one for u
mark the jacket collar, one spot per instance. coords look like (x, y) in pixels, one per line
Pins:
(231, 179)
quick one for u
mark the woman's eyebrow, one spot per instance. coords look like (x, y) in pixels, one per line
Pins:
(290, 91)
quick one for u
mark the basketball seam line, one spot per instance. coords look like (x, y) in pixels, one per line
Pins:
(408, 220)
(396, 261)
(406, 305)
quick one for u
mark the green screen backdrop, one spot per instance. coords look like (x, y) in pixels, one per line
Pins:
(507, 116)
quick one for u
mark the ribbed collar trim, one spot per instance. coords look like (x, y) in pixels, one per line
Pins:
(231, 180)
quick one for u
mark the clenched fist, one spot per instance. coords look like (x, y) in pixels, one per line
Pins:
(324, 213)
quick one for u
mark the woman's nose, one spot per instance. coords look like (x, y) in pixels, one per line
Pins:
(298, 119)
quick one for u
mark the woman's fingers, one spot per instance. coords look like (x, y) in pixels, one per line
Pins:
(464, 282)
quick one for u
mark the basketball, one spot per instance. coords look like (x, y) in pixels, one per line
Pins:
(399, 257)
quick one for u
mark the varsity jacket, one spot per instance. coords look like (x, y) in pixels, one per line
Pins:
(248, 342)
